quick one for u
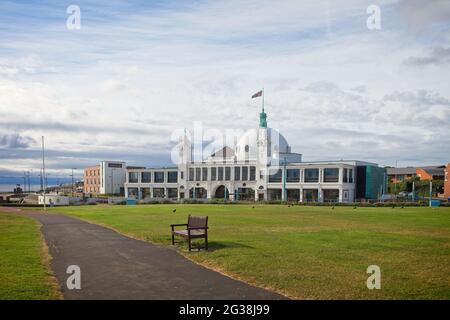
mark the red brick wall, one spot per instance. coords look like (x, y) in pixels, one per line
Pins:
(92, 179)
(423, 175)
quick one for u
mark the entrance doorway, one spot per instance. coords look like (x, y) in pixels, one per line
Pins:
(222, 193)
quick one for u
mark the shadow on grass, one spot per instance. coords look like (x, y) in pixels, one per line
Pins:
(215, 245)
(200, 243)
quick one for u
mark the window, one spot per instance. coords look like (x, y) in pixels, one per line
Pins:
(312, 175)
(204, 174)
(172, 177)
(198, 173)
(159, 176)
(146, 177)
(181, 175)
(350, 175)
(275, 175)
(213, 174)
(293, 175)
(252, 173)
(133, 177)
(345, 177)
(310, 195)
(172, 193)
(331, 175)
(191, 174)
(227, 173)
(158, 192)
(220, 173)
(244, 173)
(331, 195)
(237, 173)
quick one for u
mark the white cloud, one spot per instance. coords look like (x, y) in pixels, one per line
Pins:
(121, 85)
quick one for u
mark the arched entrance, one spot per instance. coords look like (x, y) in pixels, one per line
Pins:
(222, 193)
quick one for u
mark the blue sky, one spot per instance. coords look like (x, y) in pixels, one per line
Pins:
(138, 70)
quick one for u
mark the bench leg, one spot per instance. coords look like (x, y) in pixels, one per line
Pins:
(173, 239)
(206, 243)
(190, 246)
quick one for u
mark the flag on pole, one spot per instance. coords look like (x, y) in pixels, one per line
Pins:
(258, 94)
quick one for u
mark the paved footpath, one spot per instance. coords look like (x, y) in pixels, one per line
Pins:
(114, 266)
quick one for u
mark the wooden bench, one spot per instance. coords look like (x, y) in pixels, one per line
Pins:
(196, 227)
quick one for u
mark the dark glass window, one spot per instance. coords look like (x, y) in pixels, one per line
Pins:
(237, 173)
(181, 175)
(146, 177)
(213, 174)
(244, 173)
(220, 173)
(312, 175)
(159, 176)
(293, 175)
(191, 174)
(198, 173)
(133, 177)
(172, 193)
(350, 175)
(158, 192)
(252, 173)
(345, 177)
(310, 195)
(331, 195)
(227, 173)
(275, 175)
(172, 176)
(331, 175)
(204, 174)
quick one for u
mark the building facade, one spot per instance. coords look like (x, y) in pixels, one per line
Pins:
(259, 167)
(396, 175)
(108, 177)
(91, 180)
(447, 181)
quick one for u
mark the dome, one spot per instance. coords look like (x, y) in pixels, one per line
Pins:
(246, 148)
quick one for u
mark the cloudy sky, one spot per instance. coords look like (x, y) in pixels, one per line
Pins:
(117, 88)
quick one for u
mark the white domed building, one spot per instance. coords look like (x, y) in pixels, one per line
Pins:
(261, 166)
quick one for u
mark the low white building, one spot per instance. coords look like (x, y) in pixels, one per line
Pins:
(261, 166)
(53, 200)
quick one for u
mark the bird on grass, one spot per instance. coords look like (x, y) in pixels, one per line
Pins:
(332, 208)
(354, 207)
(174, 210)
(253, 207)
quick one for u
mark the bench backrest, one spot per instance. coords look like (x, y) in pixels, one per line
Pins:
(197, 221)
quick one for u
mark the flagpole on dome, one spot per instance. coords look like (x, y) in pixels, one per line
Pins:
(263, 99)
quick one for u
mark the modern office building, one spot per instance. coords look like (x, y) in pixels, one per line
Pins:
(261, 166)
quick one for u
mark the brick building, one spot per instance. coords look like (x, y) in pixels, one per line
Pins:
(92, 179)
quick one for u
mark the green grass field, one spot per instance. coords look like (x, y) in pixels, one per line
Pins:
(306, 252)
(24, 271)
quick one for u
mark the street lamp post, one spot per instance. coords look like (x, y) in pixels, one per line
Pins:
(72, 181)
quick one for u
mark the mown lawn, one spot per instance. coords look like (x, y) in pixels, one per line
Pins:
(24, 270)
(306, 252)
